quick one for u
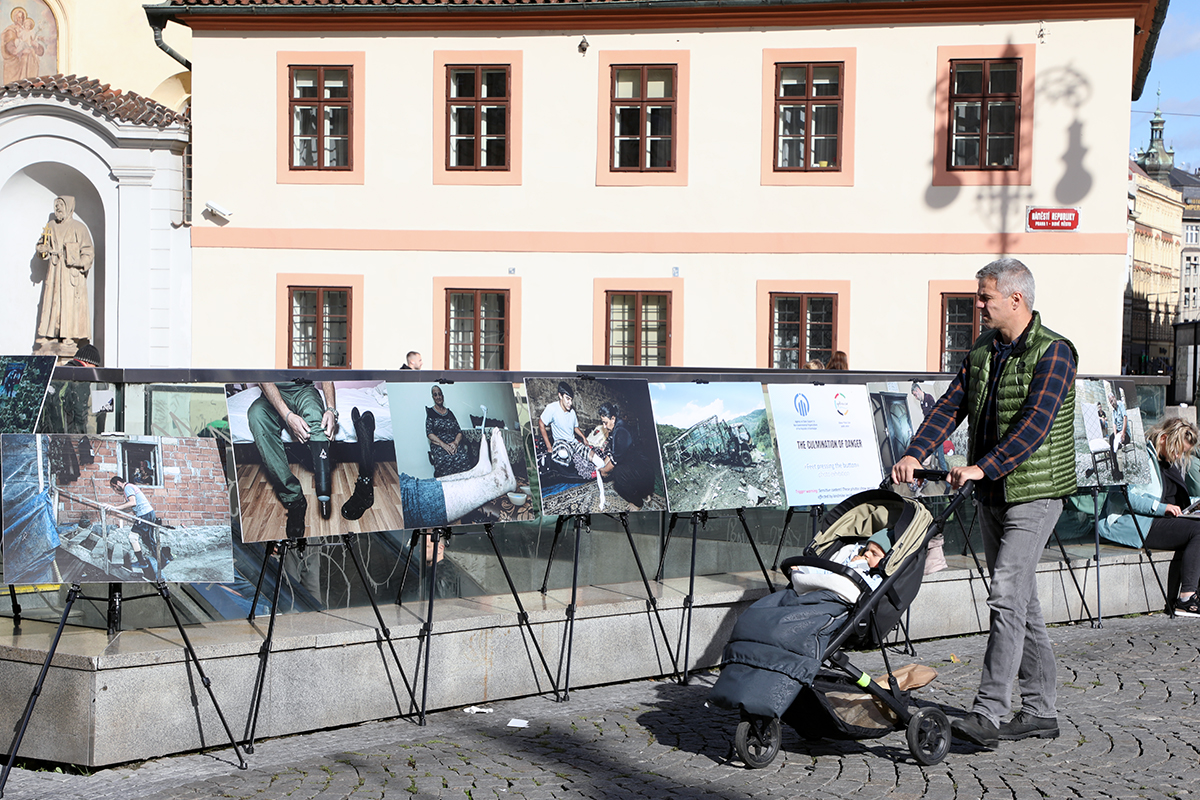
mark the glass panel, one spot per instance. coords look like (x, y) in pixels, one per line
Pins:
(966, 152)
(1002, 79)
(629, 84)
(462, 357)
(654, 330)
(492, 304)
(629, 120)
(494, 119)
(658, 120)
(1000, 151)
(495, 83)
(792, 81)
(627, 153)
(304, 303)
(462, 120)
(787, 309)
(335, 354)
(337, 83)
(966, 117)
(824, 151)
(462, 152)
(491, 357)
(304, 83)
(1002, 117)
(791, 120)
(968, 78)
(304, 120)
(791, 153)
(658, 153)
(825, 120)
(335, 302)
(494, 153)
(786, 359)
(462, 304)
(660, 83)
(819, 328)
(620, 327)
(825, 81)
(337, 121)
(337, 152)
(462, 83)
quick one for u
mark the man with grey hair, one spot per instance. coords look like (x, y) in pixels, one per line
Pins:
(1016, 387)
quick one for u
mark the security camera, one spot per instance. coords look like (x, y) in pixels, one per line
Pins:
(218, 210)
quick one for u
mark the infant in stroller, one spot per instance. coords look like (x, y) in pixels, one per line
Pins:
(862, 558)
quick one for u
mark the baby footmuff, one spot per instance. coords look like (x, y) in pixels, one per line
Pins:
(786, 659)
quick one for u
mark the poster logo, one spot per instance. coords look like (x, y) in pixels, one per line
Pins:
(801, 404)
(841, 404)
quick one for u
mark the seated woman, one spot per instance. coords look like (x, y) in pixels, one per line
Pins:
(1157, 506)
(627, 465)
(446, 448)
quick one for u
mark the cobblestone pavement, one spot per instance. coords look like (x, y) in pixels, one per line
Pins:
(1127, 711)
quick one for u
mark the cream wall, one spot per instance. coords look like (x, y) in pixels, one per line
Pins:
(111, 41)
(894, 231)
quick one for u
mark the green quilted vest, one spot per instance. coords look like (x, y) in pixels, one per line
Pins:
(1050, 471)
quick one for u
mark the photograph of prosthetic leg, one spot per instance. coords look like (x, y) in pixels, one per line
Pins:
(364, 488)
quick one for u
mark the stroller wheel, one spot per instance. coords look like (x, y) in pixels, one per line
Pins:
(757, 741)
(929, 736)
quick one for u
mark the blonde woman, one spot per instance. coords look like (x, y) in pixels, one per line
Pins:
(1158, 505)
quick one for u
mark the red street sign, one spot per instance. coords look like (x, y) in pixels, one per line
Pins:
(1051, 219)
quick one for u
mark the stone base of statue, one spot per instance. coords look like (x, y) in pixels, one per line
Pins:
(63, 349)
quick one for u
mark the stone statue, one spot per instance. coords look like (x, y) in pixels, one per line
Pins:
(65, 318)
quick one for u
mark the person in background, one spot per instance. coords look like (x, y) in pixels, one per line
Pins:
(838, 361)
(412, 360)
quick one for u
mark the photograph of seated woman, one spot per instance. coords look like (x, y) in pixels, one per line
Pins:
(447, 449)
(626, 464)
(1158, 506)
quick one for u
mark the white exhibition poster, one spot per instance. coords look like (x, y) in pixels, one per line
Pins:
(826, 441)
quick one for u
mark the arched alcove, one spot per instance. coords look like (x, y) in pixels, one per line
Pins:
(26, 206)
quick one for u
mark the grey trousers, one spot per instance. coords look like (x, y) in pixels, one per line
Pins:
(1014, 537)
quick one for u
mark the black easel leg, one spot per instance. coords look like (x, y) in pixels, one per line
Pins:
(787, 520)
(750, 538)
(689, 601)
(16, 608)
(72, 593)
(1099, 621)
(427, 628)
(623, 517)
(412, 545)
(522, 615)
(270, 548)
(264, 652)
(348, 543)
(165, 593)
(569, 633)
(662, 559)
(558, 526)
(1150, 557)
(1071, 572)
(974, 556)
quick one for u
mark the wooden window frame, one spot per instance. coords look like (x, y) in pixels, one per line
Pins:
(977, 328)
(637, 324)
(476, 347)
(803, 347)
(321, 103)
(983, 98)
(809, 100)
(319, 326)
(477, 103)
(643, 101)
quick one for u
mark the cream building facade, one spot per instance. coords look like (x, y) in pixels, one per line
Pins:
(1155, 277)
(645, 204)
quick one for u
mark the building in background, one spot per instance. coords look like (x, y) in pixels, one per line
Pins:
(697, 184)
(116, 142)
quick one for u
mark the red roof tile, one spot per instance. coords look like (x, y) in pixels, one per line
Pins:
(125, 106)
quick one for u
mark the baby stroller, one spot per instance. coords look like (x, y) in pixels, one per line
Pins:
(786, 659)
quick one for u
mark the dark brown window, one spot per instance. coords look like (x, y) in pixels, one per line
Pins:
(985, 107)
(477, 113)
(643, 118)
(321, 117)
(638, 329)
(808, 117)
(960, 327)
(803, 328)
(319, 328)
(477, 329)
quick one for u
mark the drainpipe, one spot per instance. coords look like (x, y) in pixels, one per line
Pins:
(158, 18)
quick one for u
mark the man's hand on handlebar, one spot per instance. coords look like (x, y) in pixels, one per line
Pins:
(902, 470)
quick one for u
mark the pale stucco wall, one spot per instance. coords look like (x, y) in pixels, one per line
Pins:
(892, 230)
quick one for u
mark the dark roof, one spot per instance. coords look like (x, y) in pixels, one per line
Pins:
(113, 103)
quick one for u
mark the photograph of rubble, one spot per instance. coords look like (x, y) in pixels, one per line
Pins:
(718, 448)
(595, 445)
(81, 509)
